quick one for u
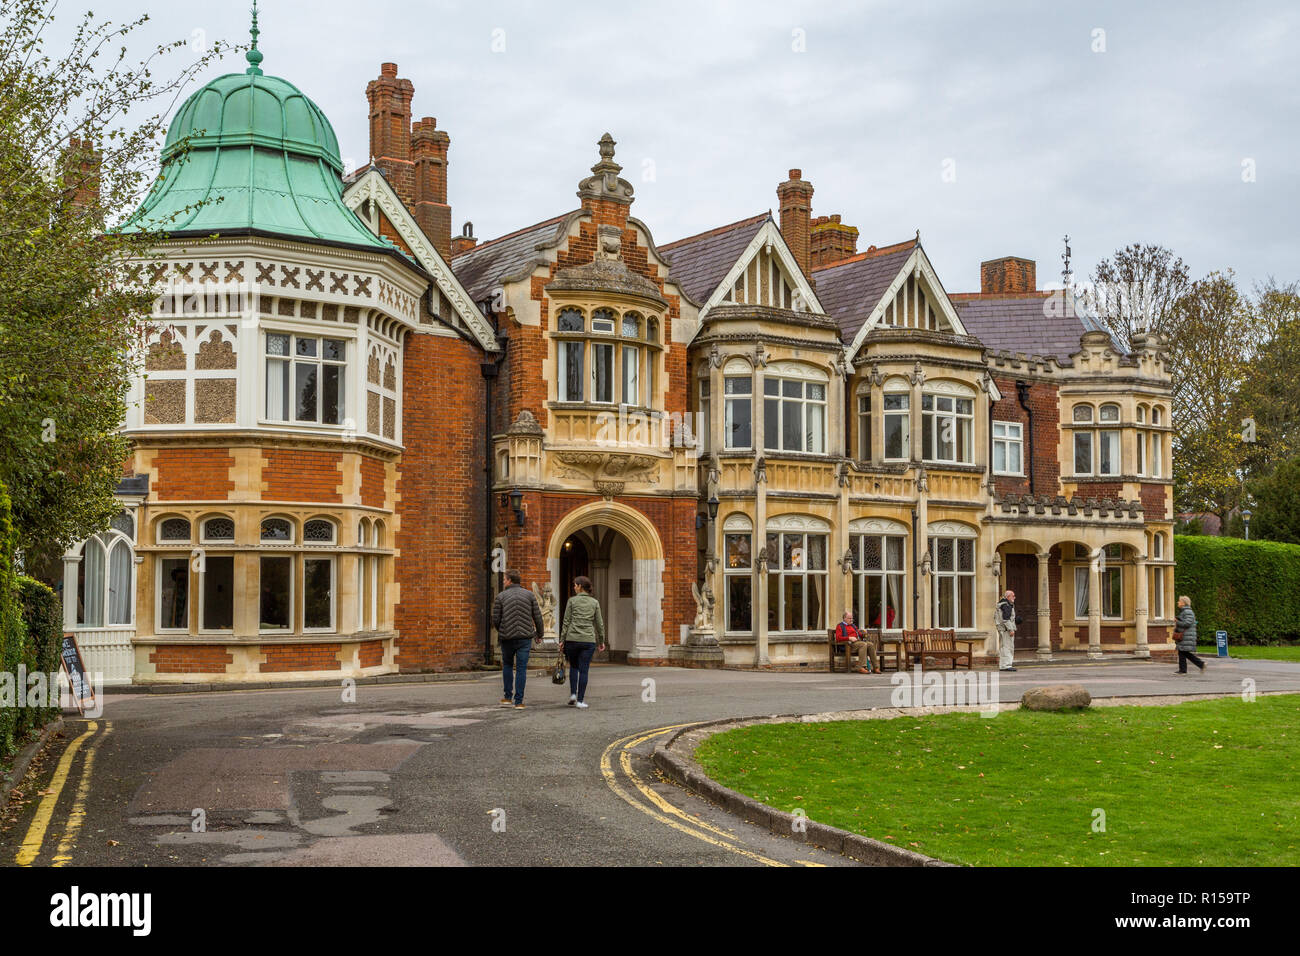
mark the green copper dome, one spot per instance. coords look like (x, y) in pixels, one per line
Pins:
(260, 157)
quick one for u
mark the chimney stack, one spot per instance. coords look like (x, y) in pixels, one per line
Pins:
(830, 241)
(465, 241)
(1009, 274)
(81, 170)
(795, 197)
(429, 155)
(390, 130)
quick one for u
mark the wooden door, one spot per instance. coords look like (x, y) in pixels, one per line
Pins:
(1022, 577)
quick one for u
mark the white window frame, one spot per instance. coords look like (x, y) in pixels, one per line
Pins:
(904, 413)
(201, 581)
(293, 576)
(292, 360)
(777, 574)
(334, 592)
(159, 561)
(956, 574)
(883, 573)
(1006, 440)
(730, 399)
(806, 405)
(729, 573)
(963, 423)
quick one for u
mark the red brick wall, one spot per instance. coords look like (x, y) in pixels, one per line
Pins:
(1047, 417)
(300, 657)
(371, 653)
(441, 567)
(1155, 501)
(1100, 489)
(191, 658)
(1054, 593)
(372, 482)
(298, 475)
(193, 474)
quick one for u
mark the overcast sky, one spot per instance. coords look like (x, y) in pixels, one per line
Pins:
(993, 127)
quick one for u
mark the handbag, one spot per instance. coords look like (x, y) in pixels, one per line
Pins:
(557, 675)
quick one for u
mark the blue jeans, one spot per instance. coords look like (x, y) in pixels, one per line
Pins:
(579, 657)
(514, 666)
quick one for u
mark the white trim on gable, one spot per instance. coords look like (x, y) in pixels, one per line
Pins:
(767, 237)
(919, 263)
(372, 186)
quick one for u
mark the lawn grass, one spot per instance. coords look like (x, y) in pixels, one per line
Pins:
(1207, 783)
(1256, 652)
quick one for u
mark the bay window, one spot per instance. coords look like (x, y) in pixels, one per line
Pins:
(898, 426)
(738, 578)
(174, 593)
(879, 579)
(946, 428)
(605, 366)
(794, 415)
(217, 593)
(952, 580)
(275, 612)
(317, 594)
(738, 411)
(305, 378)
(796, 587)
(864, 428)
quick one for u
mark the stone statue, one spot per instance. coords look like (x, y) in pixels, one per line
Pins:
(546, 601)
(703, 606)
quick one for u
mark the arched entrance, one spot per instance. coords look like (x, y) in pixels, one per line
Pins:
(618, 548)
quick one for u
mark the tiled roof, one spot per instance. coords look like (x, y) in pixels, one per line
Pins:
(481, 268)
(699, 263)
(1030, 322)
(850, 290)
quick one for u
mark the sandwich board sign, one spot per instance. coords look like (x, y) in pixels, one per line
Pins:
(1221, 643)
(75, 669)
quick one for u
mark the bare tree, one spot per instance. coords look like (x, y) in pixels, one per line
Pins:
(1134, 291)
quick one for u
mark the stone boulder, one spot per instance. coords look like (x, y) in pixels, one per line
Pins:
(1056, 697)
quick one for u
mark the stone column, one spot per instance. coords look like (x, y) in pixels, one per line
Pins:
(1094, 605)
(1044, 652)
(717, 410)
(1141, 607)
(70, 570)
(925, 605)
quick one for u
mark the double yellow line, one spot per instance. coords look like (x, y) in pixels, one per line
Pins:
(656, 806)
(35, 839)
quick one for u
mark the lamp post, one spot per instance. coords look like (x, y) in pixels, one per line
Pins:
(1245, 518)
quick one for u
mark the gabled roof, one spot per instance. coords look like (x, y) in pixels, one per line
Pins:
(480, 269)
(374, 187)
(850, 290)
(699, 263)
(1032, 323)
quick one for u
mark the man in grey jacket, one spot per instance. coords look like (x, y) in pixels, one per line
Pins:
(1185, 625)
(518, 621)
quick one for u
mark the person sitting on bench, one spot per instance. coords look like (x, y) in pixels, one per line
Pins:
(845, 631)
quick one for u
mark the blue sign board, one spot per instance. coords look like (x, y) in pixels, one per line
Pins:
(1221, 642)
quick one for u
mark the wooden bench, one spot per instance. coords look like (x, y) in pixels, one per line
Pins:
(841, 648)
(939, 644)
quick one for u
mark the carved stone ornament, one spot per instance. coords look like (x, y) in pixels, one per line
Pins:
(917, 377)
(922, 480)
(594, 465)
(760, 355)
(760, 471)
(761, 558)
(877, 377)
(525, 424)
(604, 182)
(704, 602)
(842, 473)
(715, 356)
(609, 489)
(609, 242)
(846, 562)
(546, 602)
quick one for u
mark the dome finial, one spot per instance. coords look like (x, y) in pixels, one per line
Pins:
(254, 55)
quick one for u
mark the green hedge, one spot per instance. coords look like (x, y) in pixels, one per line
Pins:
(31, 632)
(1251, 589)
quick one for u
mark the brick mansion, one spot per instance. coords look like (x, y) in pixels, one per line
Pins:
(349, 421)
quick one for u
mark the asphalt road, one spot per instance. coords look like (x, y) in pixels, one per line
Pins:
(440, 773)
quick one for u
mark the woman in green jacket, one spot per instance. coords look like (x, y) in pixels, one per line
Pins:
(581, 635)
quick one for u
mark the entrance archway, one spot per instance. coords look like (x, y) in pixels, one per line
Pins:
(624, 559)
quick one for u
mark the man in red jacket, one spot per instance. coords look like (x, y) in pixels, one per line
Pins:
(866, 650)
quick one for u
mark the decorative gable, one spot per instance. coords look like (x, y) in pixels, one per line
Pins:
(389, 217)
(915, 299)
(766, 274)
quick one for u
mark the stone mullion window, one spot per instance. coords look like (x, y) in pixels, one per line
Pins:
(879, 580)
(738, 582)
(305, 379)
(952, 580)
(796, 590)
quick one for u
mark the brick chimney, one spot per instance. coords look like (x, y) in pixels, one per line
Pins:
(429, 155)
(82, 162)
(830, 241)
(465, 241)
(795, 197)
(1008, 274)
(390, 130)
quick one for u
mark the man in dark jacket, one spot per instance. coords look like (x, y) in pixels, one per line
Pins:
(518, 621)
(1007, 620)
(1185, 625)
